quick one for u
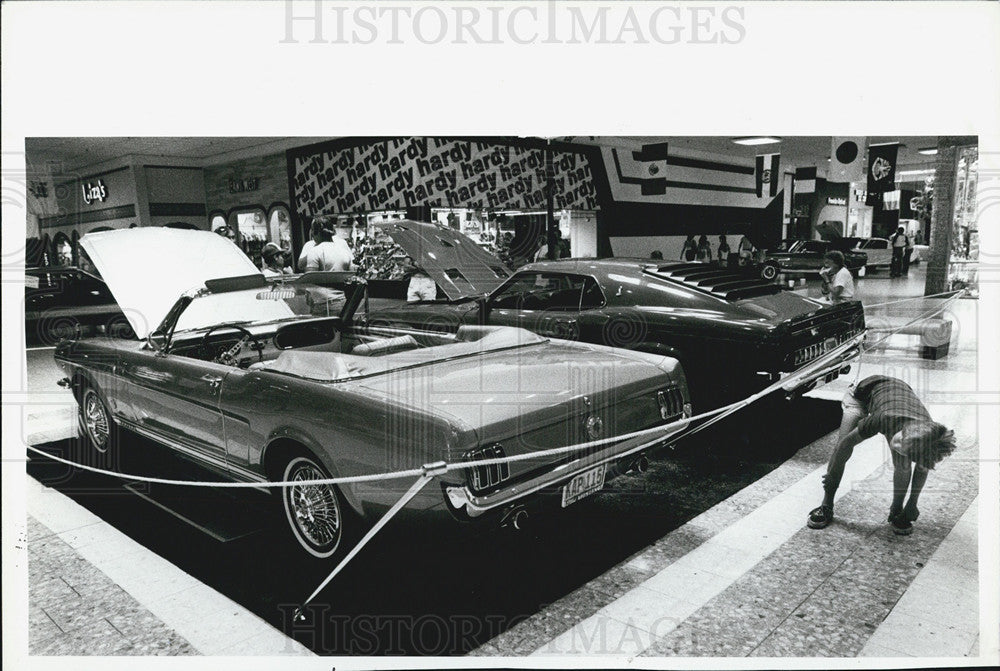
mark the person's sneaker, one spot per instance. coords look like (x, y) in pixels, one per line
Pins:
(820, 517)
(901, 526)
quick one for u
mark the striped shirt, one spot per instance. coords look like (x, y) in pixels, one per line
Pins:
(890, 404)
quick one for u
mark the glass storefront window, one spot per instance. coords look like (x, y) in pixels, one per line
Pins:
(280, 227)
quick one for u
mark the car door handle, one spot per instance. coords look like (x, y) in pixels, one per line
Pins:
(212, 380)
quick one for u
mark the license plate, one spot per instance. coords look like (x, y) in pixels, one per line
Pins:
(583, 485)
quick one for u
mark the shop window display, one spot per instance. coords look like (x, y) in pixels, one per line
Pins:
(251, 228)
(963, 268)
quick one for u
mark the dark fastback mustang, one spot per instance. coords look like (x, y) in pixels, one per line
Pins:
(806, 257)
(733, 334)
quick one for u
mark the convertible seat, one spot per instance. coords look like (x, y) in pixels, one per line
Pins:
(472, 340)
(387, 346)
(323, 366)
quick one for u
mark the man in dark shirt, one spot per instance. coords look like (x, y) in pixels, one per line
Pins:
(880, 404)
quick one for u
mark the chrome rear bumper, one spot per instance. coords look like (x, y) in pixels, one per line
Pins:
(461, 499)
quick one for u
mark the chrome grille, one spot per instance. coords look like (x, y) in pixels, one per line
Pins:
(484, 477)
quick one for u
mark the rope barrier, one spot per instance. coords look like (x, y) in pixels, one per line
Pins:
(428, 472)
(662, 431)
(396, 507)
(923, 316)
(915, 298)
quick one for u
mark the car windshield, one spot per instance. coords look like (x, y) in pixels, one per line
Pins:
(261, 305)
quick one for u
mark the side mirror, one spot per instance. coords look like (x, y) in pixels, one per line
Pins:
(157, 341)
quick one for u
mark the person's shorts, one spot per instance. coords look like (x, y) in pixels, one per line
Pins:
(852, 406)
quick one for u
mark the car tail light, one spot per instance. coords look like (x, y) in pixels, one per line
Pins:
(671, 402)
(806, 354)
(488, 475)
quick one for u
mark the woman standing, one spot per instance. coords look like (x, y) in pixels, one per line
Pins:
(723, 251)
(704, 250)
(690, 249)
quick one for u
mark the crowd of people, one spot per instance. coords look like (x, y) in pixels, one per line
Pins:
(700, 251)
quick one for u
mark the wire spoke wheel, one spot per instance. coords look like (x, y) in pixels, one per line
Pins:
(313, 511)
(96, 421)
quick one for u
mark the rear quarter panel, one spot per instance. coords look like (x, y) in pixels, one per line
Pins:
(352, 431)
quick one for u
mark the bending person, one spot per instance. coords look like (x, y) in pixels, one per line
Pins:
(880, 404)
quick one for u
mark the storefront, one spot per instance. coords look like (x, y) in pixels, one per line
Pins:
(250, 196)
(486, 187)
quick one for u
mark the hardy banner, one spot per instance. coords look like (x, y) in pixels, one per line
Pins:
(439, 172)
(881, 170)
(766, 174)
(847, 159)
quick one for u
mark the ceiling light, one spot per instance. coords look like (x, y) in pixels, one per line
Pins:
(928, 151)
(759, 139)
(907, 173)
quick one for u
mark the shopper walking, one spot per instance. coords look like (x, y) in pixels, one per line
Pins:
(838, 284)
(690, 249)
(704, 250)
(907, 253)
(898, 242)
(314, 239)
(881, 404)
(723, 251)
(542, 248)
(330, 253)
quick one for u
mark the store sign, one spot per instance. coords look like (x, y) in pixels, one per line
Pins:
(92, 192)
(439, 172)
(244, 185)
(834, 200)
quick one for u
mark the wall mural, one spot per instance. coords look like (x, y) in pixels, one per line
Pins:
(439, 172)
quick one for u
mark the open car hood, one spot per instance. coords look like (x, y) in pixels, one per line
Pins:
(457, 264)
(147, 269)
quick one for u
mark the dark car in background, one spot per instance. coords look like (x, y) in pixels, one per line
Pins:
(805, 257)
(66, 302)
(732, 333)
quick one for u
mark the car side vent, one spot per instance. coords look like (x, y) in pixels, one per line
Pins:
(719, 282)
(490, 475)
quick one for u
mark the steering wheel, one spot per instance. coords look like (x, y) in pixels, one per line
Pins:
(228, 357)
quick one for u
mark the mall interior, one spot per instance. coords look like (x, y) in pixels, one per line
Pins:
(699, 552)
